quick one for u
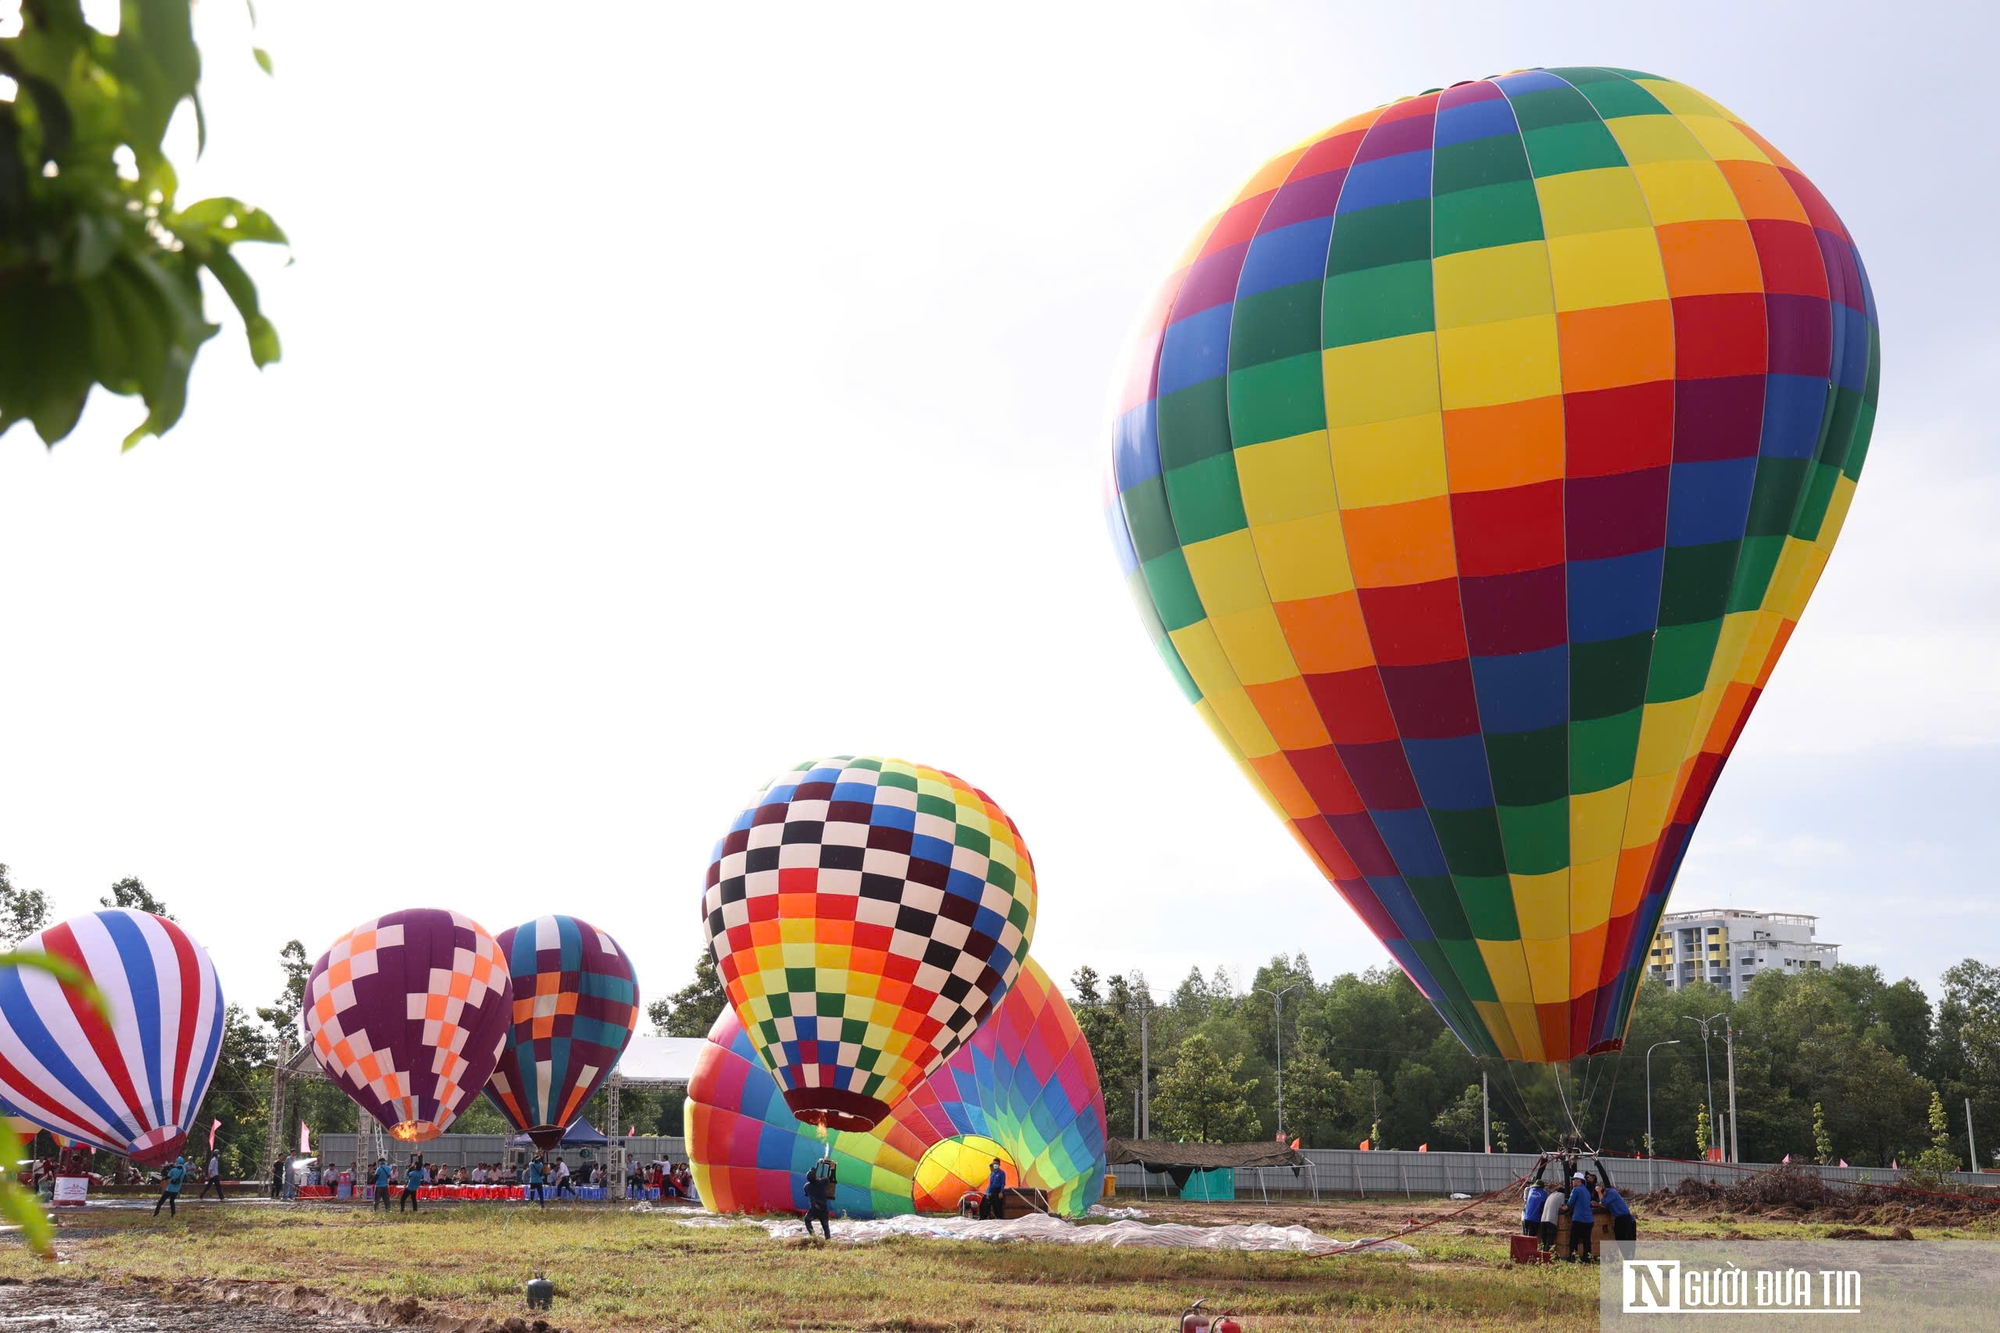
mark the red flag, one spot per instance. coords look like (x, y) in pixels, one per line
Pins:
(1788, 1159)
(211, 1135)
(1843, 1161)
(1364, 1145)
(1893, 1166)
(630, 1130)
(305, 1141)
(1423, 1147)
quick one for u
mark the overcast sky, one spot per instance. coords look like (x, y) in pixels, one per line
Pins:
(674, 395)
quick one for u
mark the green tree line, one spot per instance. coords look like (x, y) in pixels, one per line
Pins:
(1837, 1063)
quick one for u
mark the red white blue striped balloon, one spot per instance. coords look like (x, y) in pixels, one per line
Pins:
(129, 1086)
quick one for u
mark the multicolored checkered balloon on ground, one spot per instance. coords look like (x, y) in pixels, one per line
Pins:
(1025, 1083)
(866, 914)
(576, 1003)
(1471, 471)
(127, 1080)
(406, 1013)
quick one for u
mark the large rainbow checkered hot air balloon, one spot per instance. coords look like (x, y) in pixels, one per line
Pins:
(406, 1013)
(866, 914)
(576, 1003)
(1471, 470)
(129, 1085)
(1024, 1088)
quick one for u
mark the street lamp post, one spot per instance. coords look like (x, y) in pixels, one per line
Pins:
(1708, 1066)
(1278, 1000)
(1652, 1151)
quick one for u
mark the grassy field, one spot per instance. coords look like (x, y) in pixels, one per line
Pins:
(616, 1269)
(620, 1270)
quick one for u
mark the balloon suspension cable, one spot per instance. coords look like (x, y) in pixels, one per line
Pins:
(1573, 1140)
(1617, 1067)
(1519, 1097)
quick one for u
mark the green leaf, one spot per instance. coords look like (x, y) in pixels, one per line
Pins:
(263, 58)
(209, 216)
(13, 179)
(263, 336)
(53, 112)
(98, 240)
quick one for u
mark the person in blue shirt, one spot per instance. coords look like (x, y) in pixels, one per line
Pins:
(170, 1196)
(1580, 1218)
(384, 1173)
(536, 1174)
(995, 1203)
(413, 1180)
(1623, 1225)
(1537, 1195)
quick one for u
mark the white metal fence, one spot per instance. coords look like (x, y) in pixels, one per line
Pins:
(1344, 1171)
(468, 1150)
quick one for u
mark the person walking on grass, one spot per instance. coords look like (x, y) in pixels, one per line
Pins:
(820, 1183)
(563, 1183)
(213, 1180)
(170, 1196)
(537, 1172)
(384, 1173)
(413, 1180)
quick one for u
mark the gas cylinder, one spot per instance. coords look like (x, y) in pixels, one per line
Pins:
(1197, 1320)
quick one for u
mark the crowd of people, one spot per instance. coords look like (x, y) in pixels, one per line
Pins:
(1573, 1217)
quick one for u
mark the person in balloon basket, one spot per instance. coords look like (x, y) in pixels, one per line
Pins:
(820, 1183)
(384, 1173)
(170, 1196)
(413, 1180)
(994, 1204)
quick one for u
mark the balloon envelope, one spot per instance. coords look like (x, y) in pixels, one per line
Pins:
(576, 1003)
(1471, 471)
(406, 1013)
(866, 915)
(1025, 1082)
(127, 1086)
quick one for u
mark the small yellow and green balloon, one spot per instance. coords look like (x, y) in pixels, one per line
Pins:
(1471, 470)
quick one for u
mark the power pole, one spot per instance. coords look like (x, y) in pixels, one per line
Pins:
(1971, 1148)
(1729, 1034)
(1485, 1111)
(1145, 1070)
(612, 1087)
(275, 1140)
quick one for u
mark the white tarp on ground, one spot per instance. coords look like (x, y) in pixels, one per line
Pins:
(1054, 1231)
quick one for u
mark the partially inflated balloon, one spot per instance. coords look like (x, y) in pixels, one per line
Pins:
(866, 915)
(576, 1002)
(1471, 471)
(406, 1013)
(1025, 1084)
(128, 1085)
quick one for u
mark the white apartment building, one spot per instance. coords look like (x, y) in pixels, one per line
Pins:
(1728, 948)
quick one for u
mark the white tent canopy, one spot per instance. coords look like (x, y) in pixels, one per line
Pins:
(659, 1059)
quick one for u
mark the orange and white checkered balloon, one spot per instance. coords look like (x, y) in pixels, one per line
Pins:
(407, 1013)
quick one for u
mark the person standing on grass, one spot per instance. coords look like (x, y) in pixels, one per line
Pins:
(820, 1183)
(1580, 1219)
(170, 1196)
(1551, 1218)
(1538, 1194)
(384, 1173)
(994, 1205)
(278, 1179)
(1623, 1225)
(413, 1180)
(214, 1178)
(536, 1173)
